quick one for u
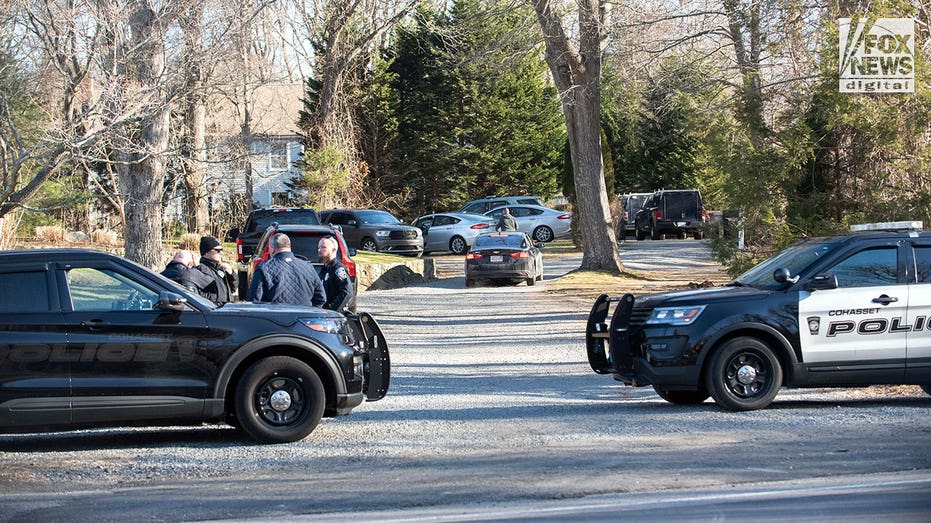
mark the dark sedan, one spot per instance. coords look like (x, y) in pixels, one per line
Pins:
(89, 339)
(504, 257)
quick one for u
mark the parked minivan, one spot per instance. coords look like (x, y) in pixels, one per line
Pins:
(675, 212)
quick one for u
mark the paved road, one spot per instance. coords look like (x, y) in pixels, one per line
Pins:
(492, 401)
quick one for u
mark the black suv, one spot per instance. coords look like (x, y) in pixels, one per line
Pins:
(304, 240)
(632, 203)
(843, 311)
(260, 219)
(677, 213)
(373, 230)
(89, 339)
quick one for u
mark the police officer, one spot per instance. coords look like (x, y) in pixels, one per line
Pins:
(335, 277)
(220, 276)
(284, 278)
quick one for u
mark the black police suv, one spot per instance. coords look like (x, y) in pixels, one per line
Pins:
(89, 339)
(844, 311)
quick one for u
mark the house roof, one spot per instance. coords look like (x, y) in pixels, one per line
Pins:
(274, 109)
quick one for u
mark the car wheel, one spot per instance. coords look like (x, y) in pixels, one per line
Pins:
(458, 245)
(470, 282)
(638, 234)
(698, 235)
(654, 234)
(744, 375)
(369, 244)
(531, 281)
(543, 234)
(279, 400)
(682, 397)
(926, 388)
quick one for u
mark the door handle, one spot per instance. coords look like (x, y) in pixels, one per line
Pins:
(94, 324)
(885, 300)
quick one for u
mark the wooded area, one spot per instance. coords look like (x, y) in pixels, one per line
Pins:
(420, 106)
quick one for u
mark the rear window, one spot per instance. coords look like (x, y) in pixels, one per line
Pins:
(261, 221)
(509, 241)
(687, 202)
(306, 246)
(530, 201)
(24, 292)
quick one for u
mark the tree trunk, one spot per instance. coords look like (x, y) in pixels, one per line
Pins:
(577, 76)
(142, 173)
(143, 182)
(195, 176)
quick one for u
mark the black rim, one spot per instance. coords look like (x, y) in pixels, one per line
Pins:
(280, 401)
(747, 375)
(368, 246)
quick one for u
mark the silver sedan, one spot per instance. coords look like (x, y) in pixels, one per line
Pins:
(452, 231)
(541, 223)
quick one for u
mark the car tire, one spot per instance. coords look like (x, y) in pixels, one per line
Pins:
(638, 234)
(279, 400)
(926, 388)
(744, 374)
(458, 245)
(368, 244)
(654, 234)
(531, 281)
(698, 235)
(543, 234)
(682, 397)
(469, 282)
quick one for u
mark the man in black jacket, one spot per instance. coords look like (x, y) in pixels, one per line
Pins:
(222, 279)
(180, 270)
(335, 276)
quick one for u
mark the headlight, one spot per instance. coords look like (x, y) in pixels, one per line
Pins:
(676, 315)
(382, 234)
(328, 325)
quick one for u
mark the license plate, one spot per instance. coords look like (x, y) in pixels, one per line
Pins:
(496, 259)
(681, 224)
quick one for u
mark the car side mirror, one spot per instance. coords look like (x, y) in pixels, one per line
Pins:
(170, 301)
(822, 282)
(783, 275)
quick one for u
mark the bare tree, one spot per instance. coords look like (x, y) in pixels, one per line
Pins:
(577, 74)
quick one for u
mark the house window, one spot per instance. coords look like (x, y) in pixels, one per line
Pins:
(278, 156)
(281, 199)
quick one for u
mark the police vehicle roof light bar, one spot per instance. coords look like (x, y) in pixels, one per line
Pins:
(888, 226)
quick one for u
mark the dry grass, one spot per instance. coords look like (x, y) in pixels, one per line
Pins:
(50, 233)
(585, 286)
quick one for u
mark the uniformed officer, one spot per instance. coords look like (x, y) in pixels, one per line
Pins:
(284, 278)
(335, 277)
(180, 269)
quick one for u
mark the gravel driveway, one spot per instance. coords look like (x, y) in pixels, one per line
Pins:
(491, 400)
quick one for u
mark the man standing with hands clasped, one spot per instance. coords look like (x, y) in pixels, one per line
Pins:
(335, 276)
(283, 278)
(222, 278)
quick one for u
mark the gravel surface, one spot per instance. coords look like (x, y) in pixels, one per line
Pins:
(491, 400)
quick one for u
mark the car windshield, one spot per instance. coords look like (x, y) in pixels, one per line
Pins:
(491, 241)
(796, 259)
(377, 217)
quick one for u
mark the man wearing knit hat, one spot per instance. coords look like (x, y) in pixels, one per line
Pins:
(223, 279)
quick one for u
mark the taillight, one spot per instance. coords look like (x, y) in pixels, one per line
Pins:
(347, 261)
(239, 249)
(704, 215)
(658, 215)
(480, 226)
(520, 254)
(350, 265)
(474, 255)
(564, 216)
